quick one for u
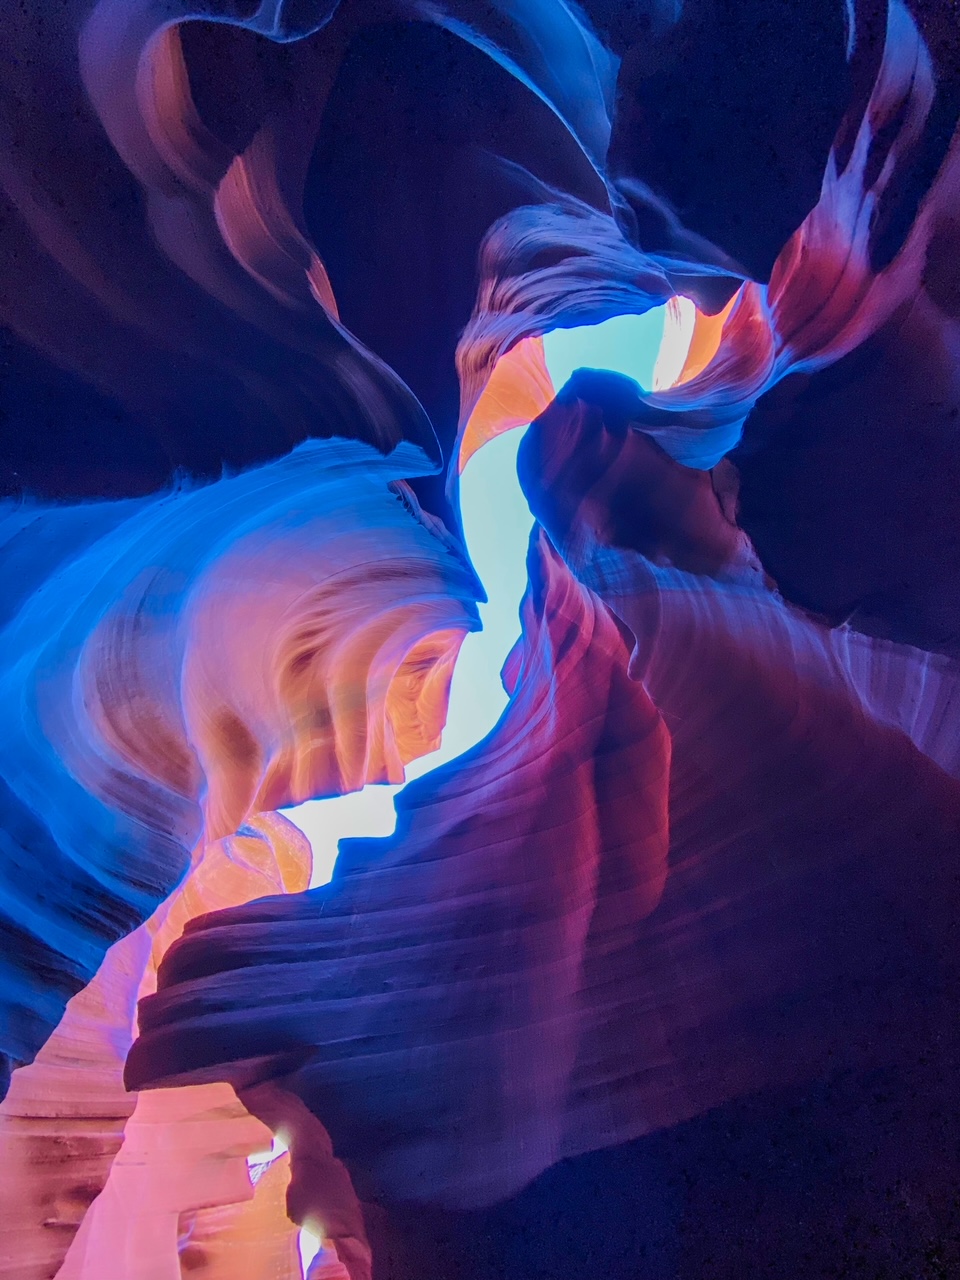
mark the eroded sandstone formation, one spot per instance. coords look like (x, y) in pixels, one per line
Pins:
(272, 274)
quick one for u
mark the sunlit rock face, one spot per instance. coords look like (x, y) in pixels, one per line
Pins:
(93, 1180)
(683, 922)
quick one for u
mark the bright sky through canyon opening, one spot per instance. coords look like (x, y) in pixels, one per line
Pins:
(496, 527)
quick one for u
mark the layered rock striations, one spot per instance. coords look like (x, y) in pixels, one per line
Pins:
(271, 275)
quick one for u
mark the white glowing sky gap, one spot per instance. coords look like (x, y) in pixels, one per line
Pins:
(496, 526)
(651, 349)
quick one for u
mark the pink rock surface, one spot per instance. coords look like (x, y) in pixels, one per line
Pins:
(134, 1175)
(709, 849)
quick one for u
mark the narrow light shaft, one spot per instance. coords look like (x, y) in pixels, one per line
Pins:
(496, 526)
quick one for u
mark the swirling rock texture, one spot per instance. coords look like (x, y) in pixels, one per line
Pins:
(660, 978)
(186, 662)
(611, 989)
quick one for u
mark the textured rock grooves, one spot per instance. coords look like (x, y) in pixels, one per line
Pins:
(702, 875)
(804, 917)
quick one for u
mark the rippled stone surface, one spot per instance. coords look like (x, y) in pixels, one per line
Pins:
(271, 273)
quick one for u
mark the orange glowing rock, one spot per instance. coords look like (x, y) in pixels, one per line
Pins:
(247, 1238)
(270, 855)
(180, 1154)
(705, 343)
(519, 390)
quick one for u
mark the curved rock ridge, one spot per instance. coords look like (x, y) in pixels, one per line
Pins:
(177, 313)
(526, 971)
(710, 849)
(184, 661)
(78, 1151)
(179, 1196)
(186, 292)
(636, 527)
(521, 387)
(823, 299)
(203, 346)
(870, 443)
